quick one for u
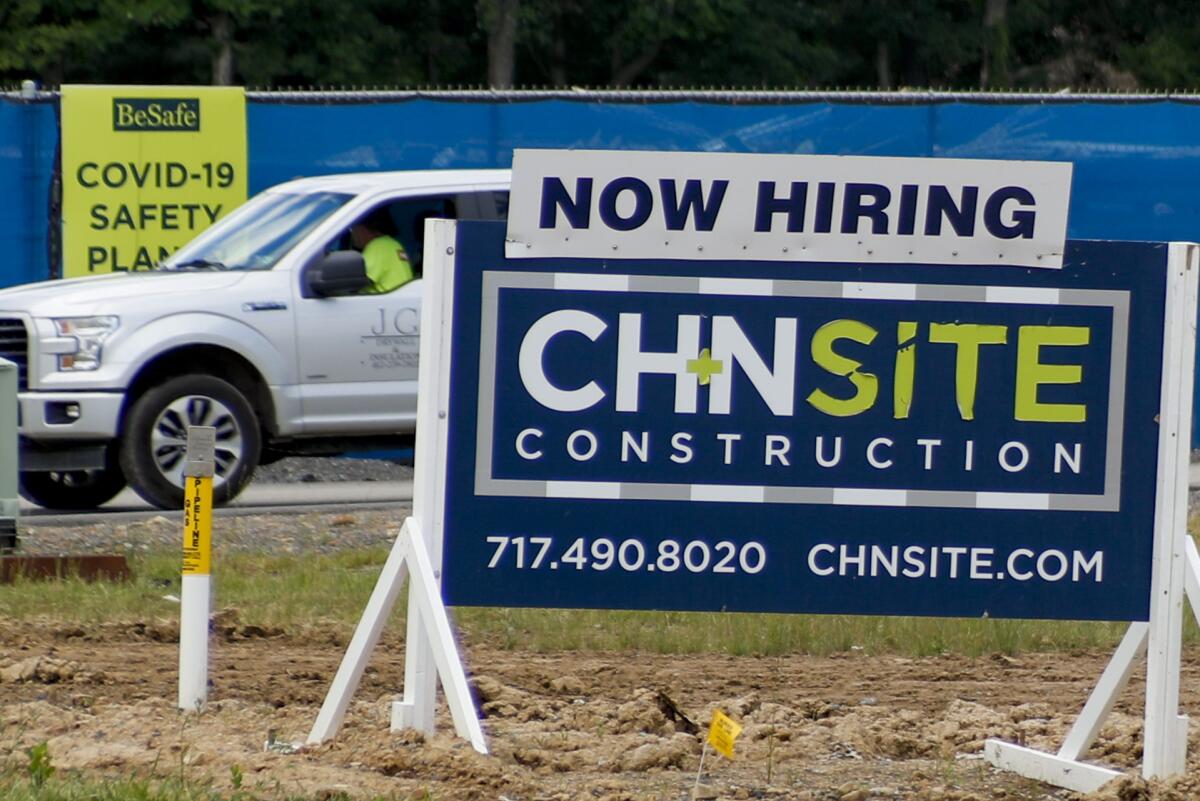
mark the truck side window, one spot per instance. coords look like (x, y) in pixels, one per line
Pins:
(408, 219)
(500, 204)
(410, 215)
(490, 205)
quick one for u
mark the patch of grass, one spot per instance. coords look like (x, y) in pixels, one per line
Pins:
(133, 788)
(773, 635)
(327, 593)
(288, 591)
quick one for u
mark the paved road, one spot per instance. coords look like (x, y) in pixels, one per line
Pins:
(255, 499)
(286, 498)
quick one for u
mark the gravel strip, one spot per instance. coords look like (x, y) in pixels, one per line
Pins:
(304, 469)
(308, 533)
(302, 533)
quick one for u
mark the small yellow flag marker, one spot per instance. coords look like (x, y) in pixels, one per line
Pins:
(723, 731)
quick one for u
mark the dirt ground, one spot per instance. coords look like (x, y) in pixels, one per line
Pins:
(565, 725)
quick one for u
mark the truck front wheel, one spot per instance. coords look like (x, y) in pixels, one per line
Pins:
(73, 490)
(155, 438)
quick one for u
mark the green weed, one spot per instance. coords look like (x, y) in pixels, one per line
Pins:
(38, 767)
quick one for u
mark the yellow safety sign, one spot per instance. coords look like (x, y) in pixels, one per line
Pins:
(197, 526)
(145, 169)
(722, 732)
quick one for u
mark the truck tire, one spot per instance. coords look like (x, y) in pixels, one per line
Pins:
(73, 490)
(154, 438)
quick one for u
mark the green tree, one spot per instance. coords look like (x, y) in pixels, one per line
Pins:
(500, 18)
(1161, 44)
(996, 69)
(760, 44)
(614, 43)
(54, 41)
(964, 44)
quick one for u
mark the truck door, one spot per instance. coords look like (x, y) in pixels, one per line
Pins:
(358, 354)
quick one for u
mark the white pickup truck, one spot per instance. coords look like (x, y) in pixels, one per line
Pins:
(257, 327)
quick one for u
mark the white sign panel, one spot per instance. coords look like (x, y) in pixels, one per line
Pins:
(736, 206)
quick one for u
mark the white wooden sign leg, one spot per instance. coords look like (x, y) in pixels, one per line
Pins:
(416, 711)
(1050, 768)
(408, 557)
(420, 672)
(370, 626)
(1064, 768)
(1166, 730)
(1191, 584)
(1112, 683)
(432, 612)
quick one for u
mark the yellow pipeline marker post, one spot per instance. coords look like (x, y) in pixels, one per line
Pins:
(196, 592)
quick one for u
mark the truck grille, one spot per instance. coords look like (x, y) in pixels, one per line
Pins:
(14, 346)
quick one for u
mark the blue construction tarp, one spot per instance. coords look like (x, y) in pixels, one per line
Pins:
(1136, 164)
(1137, 161)
(28, 154)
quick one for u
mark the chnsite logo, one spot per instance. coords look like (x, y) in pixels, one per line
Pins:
(781, 387)
(156, 114)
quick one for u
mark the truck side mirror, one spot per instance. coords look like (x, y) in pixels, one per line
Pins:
(342, 272)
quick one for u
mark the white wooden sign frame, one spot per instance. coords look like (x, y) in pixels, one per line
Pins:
(431, 652)
(1175, 572)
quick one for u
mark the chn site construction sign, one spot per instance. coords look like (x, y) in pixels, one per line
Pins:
(918, 432)
(146, 169)
(802, 384)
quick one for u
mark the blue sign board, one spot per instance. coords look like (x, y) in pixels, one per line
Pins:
(804, 437)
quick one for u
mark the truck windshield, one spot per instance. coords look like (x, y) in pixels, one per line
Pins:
(257, 234)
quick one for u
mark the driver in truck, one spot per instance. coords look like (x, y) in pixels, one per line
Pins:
(387, 263)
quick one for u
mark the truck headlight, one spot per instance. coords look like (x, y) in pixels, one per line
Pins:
(89, 334)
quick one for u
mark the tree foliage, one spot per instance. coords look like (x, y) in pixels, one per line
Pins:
(960, 44)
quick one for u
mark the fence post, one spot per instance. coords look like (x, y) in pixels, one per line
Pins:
(9, 464)
(32, 212)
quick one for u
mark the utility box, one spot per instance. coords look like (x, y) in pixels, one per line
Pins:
(8, 455)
